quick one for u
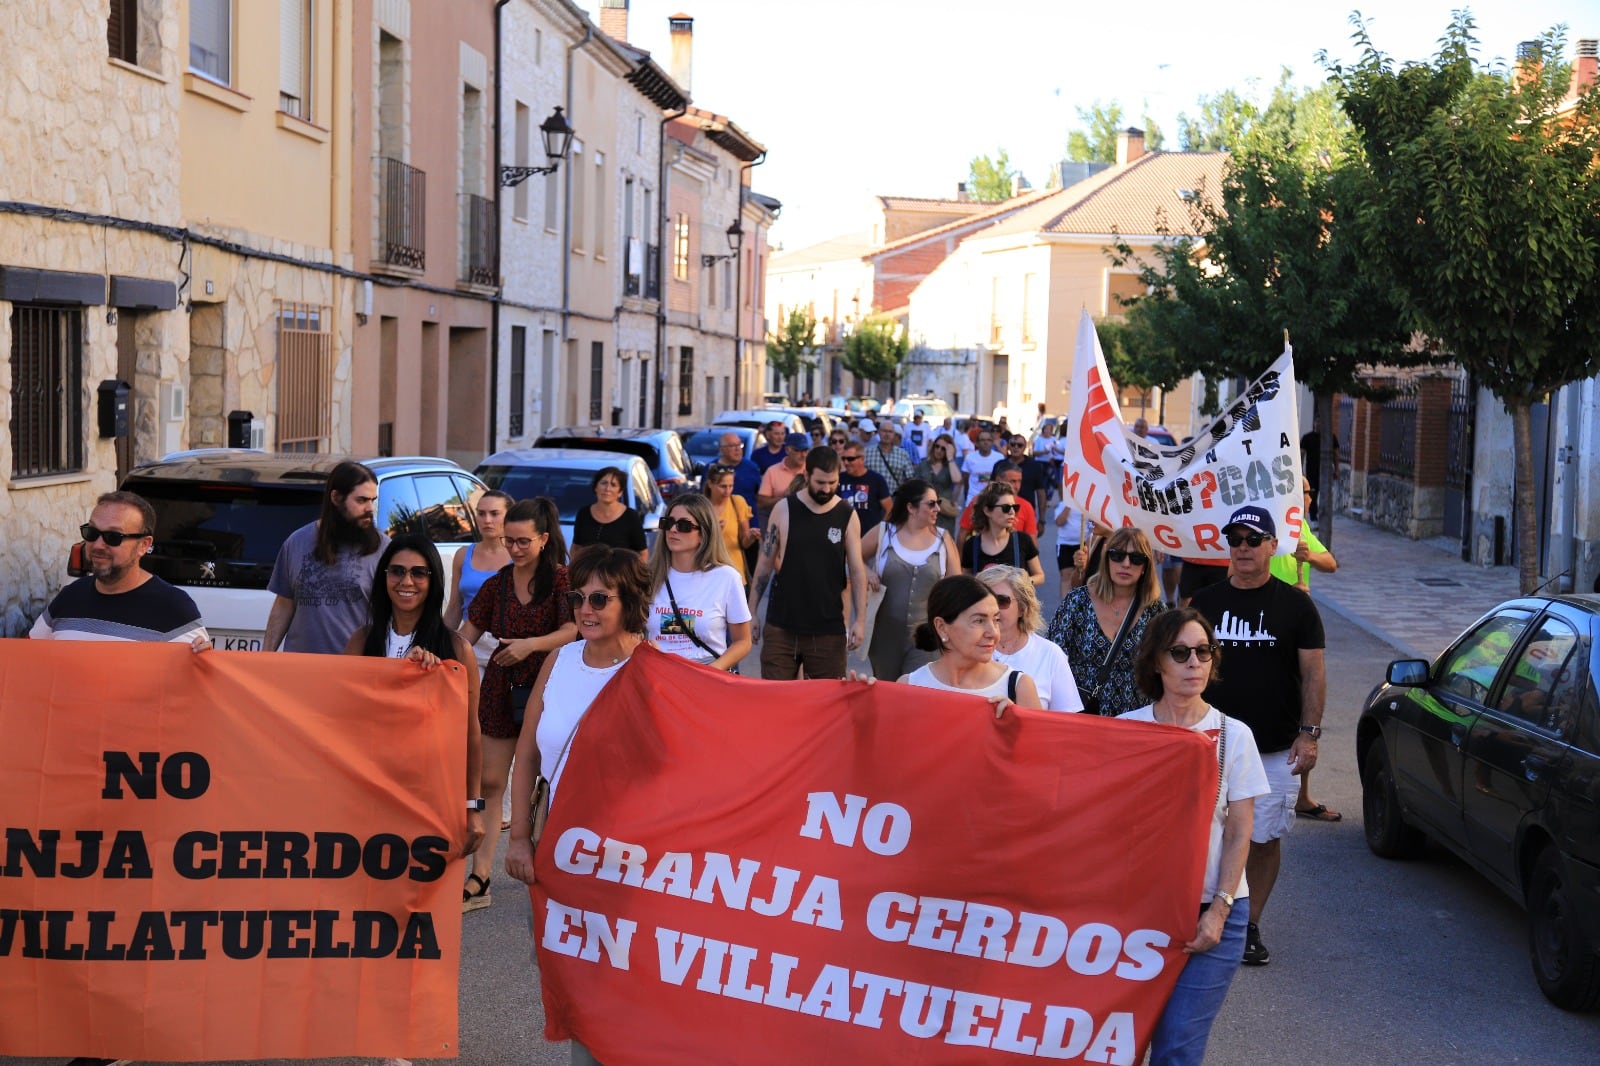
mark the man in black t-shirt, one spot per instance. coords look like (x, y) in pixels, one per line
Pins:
(1272, 680)
(1035, 475)
(864, 490)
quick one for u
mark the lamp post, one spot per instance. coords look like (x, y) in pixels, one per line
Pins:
(557, 136)
(735, 234)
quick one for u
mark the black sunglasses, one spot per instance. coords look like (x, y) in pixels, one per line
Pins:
(1008, 508)
(112, 537)
(1118, 555)
(1002, 599)
(418, 573)
(1252, 539)
(597, 600)
(679, 525)
(1202, 652)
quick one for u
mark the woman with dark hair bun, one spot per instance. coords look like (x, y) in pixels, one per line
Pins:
(608, 520)
(525, 607)
(905, 556)
(406, 621)
(963, 627)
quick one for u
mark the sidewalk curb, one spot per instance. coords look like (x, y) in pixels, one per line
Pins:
(1406, 650)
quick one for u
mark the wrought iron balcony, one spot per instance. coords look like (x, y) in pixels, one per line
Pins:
(477, 240)
(402, 214)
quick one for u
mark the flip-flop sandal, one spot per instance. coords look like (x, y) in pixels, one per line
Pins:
(475, 900)
(1319, 813)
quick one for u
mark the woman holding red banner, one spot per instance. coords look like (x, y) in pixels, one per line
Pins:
(963, 627)
(405, 620)
(1177, 659)
(1101, 622)
(525, 607)
(611, 604)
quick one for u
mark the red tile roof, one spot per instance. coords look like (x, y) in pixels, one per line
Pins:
(1153, 192)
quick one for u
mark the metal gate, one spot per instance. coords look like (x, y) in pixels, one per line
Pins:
(1458, 461)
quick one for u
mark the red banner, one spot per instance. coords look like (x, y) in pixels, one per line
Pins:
(821, 871)
(228, 855)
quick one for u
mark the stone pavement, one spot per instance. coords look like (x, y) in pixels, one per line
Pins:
(1414, 595)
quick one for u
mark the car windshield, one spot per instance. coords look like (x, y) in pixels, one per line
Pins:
(569, 488)
(706, 442)
(239, 526)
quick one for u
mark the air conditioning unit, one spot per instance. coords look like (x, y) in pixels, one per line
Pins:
(258, 434)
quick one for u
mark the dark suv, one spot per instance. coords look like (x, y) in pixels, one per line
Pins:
(661, 449)
(222, 514)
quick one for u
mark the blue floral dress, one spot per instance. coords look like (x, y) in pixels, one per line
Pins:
(1076, 630)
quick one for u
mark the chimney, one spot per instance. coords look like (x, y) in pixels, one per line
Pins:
(681, 27)
(614, 19)
(1019, 185)
(1130, 145)
(961, 191)
(1585, 68)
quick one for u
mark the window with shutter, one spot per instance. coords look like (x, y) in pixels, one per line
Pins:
(211, 39)
(295, 26)
(122, 30)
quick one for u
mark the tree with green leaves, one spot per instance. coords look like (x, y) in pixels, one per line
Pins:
(1096, 139)
(875, 350)
(1273, 252)
(989, 180)
(793, 348)
(1480, 201)
(1304, 122)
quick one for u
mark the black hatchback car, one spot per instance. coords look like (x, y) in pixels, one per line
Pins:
(1494, 751)
(661, 449)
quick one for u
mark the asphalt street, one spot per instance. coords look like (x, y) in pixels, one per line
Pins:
(1373, 961)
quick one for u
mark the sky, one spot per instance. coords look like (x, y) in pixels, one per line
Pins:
(858, 98)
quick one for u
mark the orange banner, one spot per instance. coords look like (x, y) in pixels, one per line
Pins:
(748, 871)
(228, 856)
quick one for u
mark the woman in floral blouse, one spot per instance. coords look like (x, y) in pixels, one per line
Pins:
(1089, 617)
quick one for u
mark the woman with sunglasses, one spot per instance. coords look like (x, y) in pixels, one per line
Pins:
(735, 522)
(962, 629)
(1020, 645)
(525, 607)
(995, 540)
(940, 471)
(699, 610)
(909, 552)
(405, 620)
(1177, 659)
(1100, 623)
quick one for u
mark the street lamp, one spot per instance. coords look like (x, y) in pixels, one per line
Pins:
(735, 238)
(557, 136)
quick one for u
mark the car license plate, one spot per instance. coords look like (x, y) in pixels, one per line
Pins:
(233, 640)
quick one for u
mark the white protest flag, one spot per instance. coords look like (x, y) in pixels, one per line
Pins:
(1182, 496)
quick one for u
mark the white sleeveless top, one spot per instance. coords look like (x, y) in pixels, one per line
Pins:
(568, 693)
(922, 677)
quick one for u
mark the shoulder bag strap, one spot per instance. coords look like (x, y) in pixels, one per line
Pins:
(1111, 652)
(885, 541)
(1011, 685)
(688, 630)
(1016, 549)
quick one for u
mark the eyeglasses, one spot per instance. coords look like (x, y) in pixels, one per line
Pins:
(112, 537)
(1118, 555)
(1002, 599)
(929, 503)
(597, 600)
(678, 525)
(418, 573)
(1017, 444)
(855, 458)
(1252, 539)
(1202, 652)
(519, 543)
(1008, 508)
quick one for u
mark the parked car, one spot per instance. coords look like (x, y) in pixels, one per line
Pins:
(659, 448)
(932, 407)
(566, 475)
(775, 399)
(855, 405)
(1162, 436)
(758, 419)
(809, 415)
(223, 513)
(1493, 750)
(703, 443)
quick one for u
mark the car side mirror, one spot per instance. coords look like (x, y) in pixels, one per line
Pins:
(700, 469)
(1408, 672)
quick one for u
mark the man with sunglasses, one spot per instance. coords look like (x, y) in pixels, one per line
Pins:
(863, 488)
(119, 599)
(1274, 682)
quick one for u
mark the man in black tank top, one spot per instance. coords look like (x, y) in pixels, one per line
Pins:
(811, 544)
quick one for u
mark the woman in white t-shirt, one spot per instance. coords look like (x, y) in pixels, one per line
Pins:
(698, 608)
(1177, 659)
(963, 626)
(1021, 646)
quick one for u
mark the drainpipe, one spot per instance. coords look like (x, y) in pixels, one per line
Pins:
(566, 207)
(738, 288)
(661, 252)
(499, 234)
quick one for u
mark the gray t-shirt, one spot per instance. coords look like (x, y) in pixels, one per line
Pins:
(330, 602)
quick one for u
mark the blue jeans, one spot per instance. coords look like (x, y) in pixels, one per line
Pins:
(1185, 1026)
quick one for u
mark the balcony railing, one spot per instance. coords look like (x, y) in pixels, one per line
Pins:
(402, 216)
(477, 240)
(652, 272)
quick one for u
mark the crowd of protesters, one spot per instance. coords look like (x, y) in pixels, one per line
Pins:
(915, 556)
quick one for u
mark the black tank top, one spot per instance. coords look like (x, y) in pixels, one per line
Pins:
(807, 593)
